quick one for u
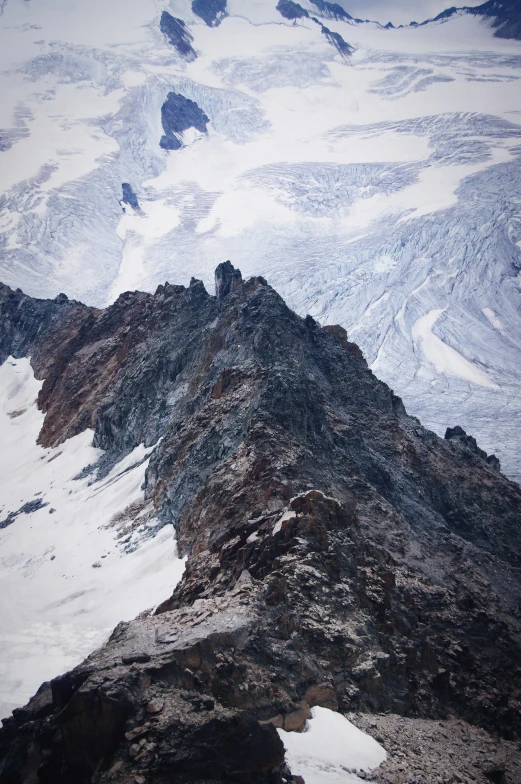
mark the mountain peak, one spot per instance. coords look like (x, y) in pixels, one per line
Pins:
(505, 15)
(227, 279)
(336, 549)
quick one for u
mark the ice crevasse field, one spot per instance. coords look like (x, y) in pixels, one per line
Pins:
(377, 189)
(375, 185)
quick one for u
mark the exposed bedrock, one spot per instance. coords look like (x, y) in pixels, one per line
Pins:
(227, 279)
(177, 35)
(128, 196)
(210, 11)
(178, 114)
(291, 10)
(338, 553)
(505, 16)
(332, 10)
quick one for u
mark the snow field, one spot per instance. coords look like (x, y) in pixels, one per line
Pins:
(66, 579)
(331, 749)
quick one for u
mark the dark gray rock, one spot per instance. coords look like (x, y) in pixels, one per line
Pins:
(290, 10)
(28, 508)
(338, 42)
(178, 114)
(227, 279)
(459, 436)
(129, 197)
(338, 554)
(505, 15)
(211, 11)
(178, 35)
(24, 320)
(332, 10)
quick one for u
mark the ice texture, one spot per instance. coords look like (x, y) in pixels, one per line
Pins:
(378, 190)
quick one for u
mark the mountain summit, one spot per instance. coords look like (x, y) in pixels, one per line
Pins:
(339, 554)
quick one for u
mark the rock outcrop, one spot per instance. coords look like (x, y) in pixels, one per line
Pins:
(178, 35)
(459, 436)
(227, 279)
(504, 14)
(339, 554)
(210, 11)
(293, 11)
(179, 114)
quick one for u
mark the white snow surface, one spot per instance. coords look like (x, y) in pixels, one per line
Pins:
(55, 605)
(331, 749)
(444, 357)
(371, 191)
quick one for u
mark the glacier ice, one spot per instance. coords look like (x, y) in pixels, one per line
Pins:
(373, 191)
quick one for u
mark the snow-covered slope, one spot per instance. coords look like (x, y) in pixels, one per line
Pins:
(379, 189)
(77, 556)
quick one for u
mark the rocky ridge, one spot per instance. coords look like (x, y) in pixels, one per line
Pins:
(505, 16)
(339, 554)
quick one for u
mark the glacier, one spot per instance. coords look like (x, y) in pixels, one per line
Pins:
(376, 186)
(378, 190)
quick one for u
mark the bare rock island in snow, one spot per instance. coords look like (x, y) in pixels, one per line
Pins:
(341, 558)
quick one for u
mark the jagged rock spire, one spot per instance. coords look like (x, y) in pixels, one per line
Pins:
(227, 279)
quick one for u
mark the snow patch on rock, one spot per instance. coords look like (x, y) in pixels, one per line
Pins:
(55, 607)
(331, 750)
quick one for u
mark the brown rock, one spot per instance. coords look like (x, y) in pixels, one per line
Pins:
(155, 706)
(322, 695)
(296, 721)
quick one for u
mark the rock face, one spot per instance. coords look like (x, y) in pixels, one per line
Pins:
(458, 435)
(178, 114)
(129, 197)
(210, 11)
(338, 42)
(339, 554)
(451, 751)
(331, 10)
(505, 15)
(178, 35)
(290, 10)
(227, 279)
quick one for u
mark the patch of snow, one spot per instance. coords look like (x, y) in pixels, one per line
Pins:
(331, 749)
(55, 606)
(493, 319)
(289, 515)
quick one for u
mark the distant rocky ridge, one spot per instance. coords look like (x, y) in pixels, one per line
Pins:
(290, 10)
(177, 35)
(210, 11)
(179, 114)
(506, 16)
(339, 554)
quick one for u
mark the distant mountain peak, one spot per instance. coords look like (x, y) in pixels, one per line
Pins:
(505, 15)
